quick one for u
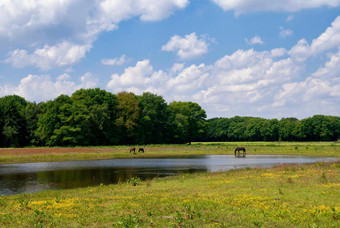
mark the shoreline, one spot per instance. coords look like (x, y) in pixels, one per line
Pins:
(43, 154)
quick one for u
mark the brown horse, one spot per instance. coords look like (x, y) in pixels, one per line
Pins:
(141, 149)
(133, 149)
(238, 149)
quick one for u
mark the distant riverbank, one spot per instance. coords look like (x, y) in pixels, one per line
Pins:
(17, 155)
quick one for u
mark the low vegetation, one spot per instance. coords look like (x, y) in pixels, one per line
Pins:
(15, 155)
(283, 196)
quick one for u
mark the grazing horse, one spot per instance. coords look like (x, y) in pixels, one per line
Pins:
(133, 149)
(238, 149)
(141, 149)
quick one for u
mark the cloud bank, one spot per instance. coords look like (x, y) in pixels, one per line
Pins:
(39, 20)
(263, 82)
(269, 83)
(243, 6)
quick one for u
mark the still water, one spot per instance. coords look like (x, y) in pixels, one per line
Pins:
(34, 177)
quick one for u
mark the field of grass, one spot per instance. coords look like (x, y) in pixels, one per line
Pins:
(14, 155)
(283, 196)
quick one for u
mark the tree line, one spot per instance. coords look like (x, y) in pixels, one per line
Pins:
(316, 128)
(95, 117)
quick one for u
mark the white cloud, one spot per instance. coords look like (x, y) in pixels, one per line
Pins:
(88, 80)
(177, 82)
(140, 76)
(255, 40)
(277, 52)
(290, 18)
(38, 20)
(328, 40)
(245, 77)
(22, 17)
(177, 67)
(115, 61)
(42, 87)
(114, 11)
(188, 80)
(62, 54)
(18, 15)
(285, 32)
(188, 47)
(242, 6)
(271, 83)
(318, 93)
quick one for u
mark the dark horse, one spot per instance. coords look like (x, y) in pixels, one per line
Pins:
(238, 149)
(141, 149)
(133, 149)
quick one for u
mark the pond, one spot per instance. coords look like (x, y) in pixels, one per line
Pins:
(34, 177)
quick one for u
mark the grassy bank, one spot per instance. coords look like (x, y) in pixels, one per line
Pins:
(284, 196)
(13, 155)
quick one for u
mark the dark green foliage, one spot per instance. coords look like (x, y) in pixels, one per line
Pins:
(287, 129)
(94, 117)
(58, 123)
(187, 121)
(316, 128)
(31, 114)
(13, 128)
(320, 128)
(128, 117)
(153, 126)
(97, 113)
(86, 118)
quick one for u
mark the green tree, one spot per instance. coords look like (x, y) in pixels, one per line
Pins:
(322, 128)
(128, 117)
(286, 129)
(153, 120)
(253, 129)
(54, 127)
(31, 114)
(270, 130)
(97, 110)
(237, 128)
(217, 129)
(13, 121)
(187, 121)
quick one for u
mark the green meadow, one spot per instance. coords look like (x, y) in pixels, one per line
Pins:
(283, 196)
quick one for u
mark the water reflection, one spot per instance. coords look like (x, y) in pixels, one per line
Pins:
(33, 177)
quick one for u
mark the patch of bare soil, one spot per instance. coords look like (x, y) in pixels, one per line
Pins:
(65, 150)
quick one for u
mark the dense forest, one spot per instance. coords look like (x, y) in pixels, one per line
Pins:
(93, 117)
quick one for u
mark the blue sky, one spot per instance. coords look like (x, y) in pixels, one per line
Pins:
(266, 58)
